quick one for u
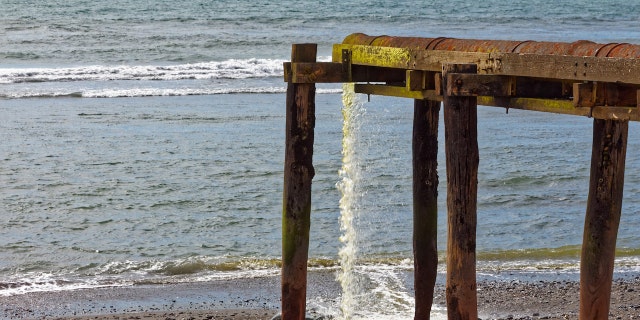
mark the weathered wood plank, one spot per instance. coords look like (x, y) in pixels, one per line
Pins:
(604, 207)
(570, 67)
(584, 95)
(557, 67)
(459, 84)
(462, 157)
(396, 91)
(375, 56)
(406, 58)
(420, 80)
(425, 203)
(376, 74)
(542, 105)
(619, 95)
(316, 72)
(530, 104)
(615, 113)
(298, 173)
(330, 72)
(541, 88)
(565, 107)
(590, 94)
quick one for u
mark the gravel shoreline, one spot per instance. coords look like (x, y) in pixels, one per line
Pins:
(552, 300)
(258, 298)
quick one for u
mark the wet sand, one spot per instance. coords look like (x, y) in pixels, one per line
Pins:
(258, 298)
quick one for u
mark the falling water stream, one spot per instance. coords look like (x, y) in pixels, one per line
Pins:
(350, 176)
(368, 291)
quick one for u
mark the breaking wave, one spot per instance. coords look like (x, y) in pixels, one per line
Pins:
(228, 69)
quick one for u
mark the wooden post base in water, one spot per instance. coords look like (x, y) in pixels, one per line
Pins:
(298, 173)
(604, 208)
(461, 148)
(425, 203)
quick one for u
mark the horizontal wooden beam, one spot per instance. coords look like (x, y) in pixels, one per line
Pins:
(467, 84)
(563, 107)
(414, 59)
(585, 94)
(330, 72)
(574, 68)
(531, 104)
(600, 69)
(315, 72)
(615, 113)
(396, 91)
(590, 94)
(603, 88)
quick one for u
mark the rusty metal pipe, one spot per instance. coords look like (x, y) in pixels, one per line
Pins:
(578, 48)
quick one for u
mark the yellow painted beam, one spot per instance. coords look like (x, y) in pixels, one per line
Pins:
(396, 91)
(556, 67)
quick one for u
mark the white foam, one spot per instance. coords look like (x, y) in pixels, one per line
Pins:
(153, 92)
(48, 282)
(228, 69)
(129, 272)
(384, 296)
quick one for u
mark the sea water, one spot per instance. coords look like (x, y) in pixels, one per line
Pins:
(143, 142)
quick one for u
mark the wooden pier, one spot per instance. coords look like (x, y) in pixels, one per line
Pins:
(582, 78)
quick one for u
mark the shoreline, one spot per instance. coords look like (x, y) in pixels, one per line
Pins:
(259, 298)
(552, 300)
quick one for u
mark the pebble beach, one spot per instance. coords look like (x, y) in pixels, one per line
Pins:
(258, 298)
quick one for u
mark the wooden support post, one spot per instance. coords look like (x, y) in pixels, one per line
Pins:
(425, 203)
(603, 217)
(461, 148)
(298, 173)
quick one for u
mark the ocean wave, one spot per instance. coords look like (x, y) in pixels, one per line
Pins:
(204, 269)
(228, 69)
(544, 254)
(154, 92)
(149, 272)
(126, 273)
(49, 282)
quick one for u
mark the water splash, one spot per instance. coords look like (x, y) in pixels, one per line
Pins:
(350, 175)
(369, 290)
